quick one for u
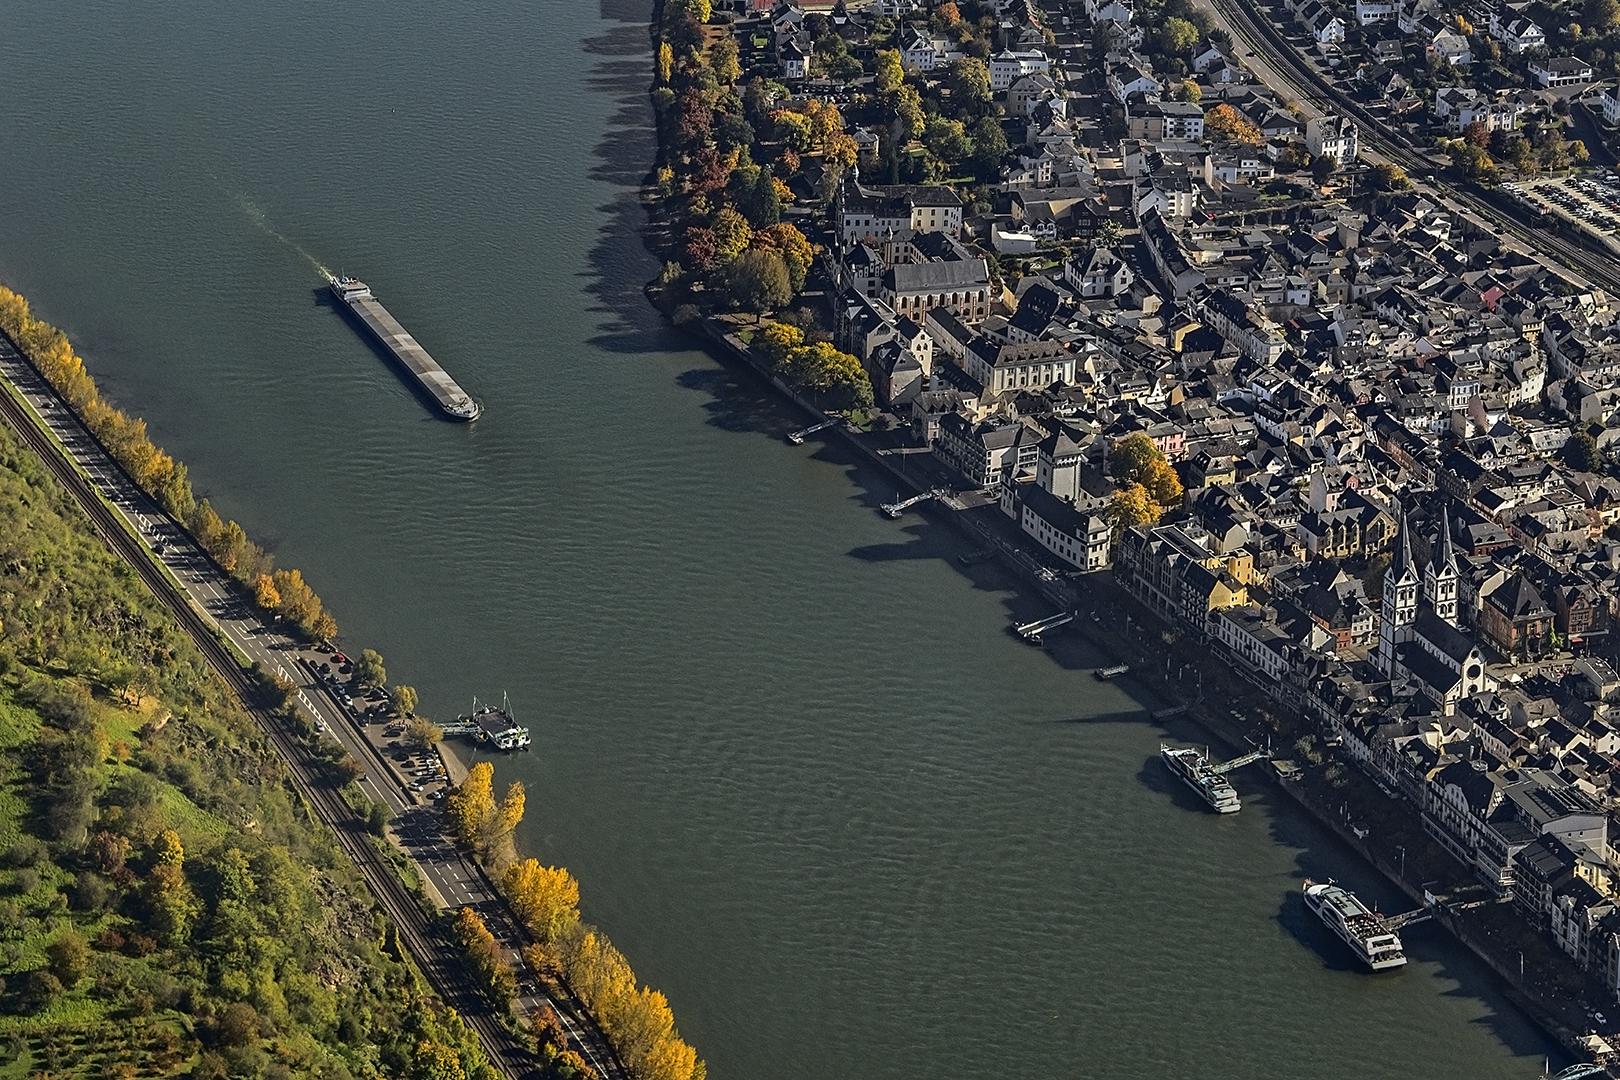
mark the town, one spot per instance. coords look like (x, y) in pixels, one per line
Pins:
(1332, 420)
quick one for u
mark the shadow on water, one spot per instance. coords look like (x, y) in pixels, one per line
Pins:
(1323, 855)
(618, 264)
(738, 402)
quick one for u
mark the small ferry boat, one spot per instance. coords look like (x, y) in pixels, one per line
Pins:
(1364, 930)
(491, 725)
(1195, 771)
(1112, 672)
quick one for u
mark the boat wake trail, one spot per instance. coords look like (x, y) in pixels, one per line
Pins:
(259, 218)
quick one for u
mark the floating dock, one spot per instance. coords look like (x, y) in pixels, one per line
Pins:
(452, 400)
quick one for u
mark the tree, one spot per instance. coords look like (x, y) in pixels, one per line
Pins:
(1602, 15)
(378, 815)
(1131, 456)
(1163, 484)
(1324, 167)
(1386, 176)
(948, 140)
(474, 804)
(969, 83)
(909, 108)
(507, 815)
(1189, 91)
(839, 152)
(1477, 134)
(1110, 235)
(402, 699)
(1177, 36)
(1132, 506)
(69, 957)
(423, 733)
(733, 132)
(989, 144)
(778, 341)
(1225, 123)
(794, 129)
(546, 898)
(947, 15)
(758, 281)
(723, 61)
(890, 72)
(753, 191)
(1582, 453)
(239, 1025)
(732, 234)
(265, 594)
(369, 671)
(796, 251)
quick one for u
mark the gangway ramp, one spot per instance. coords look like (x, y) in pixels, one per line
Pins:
(1032, 631)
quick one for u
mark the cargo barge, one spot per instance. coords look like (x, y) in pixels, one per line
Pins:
(451, 399)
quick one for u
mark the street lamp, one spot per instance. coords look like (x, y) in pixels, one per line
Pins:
(1403, 861)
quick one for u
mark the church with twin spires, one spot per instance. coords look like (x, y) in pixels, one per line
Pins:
(1418, 637)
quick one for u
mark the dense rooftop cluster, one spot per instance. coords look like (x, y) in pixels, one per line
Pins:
(1304, 412)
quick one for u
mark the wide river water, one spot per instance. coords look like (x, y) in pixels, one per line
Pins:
(810, 786)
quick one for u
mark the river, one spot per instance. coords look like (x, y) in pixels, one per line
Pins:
(809, 785)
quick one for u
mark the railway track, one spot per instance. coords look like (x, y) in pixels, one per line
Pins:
(442, 970)
(1308, 84)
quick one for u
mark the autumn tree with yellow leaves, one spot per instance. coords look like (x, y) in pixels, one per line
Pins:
(154, 471)
(484, 955)
(481, 823)
(546, 898)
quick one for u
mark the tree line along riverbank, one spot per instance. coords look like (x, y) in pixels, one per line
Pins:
(576, 956)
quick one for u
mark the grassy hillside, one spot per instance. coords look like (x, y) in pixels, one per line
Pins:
(166, 907)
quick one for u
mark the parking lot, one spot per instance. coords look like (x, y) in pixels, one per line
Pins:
(1592, 202)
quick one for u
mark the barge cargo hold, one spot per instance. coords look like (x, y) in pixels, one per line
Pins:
(452, 400)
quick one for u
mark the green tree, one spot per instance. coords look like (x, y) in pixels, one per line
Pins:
(1129, 460)
(1602, 15)
(989, 144)
(378, 815)
(758, 281)
(723, 61)
(1189, 91)
(369, 671)
(753, 191)
(1177, 37)
(969, 83)
(69, 957)
(948, 140)
(1582, 453)
(1324, 167)
(402, 699)
(1110, 235)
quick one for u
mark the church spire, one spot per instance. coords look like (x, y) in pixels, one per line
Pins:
(1403, 566)
(1445, 556)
